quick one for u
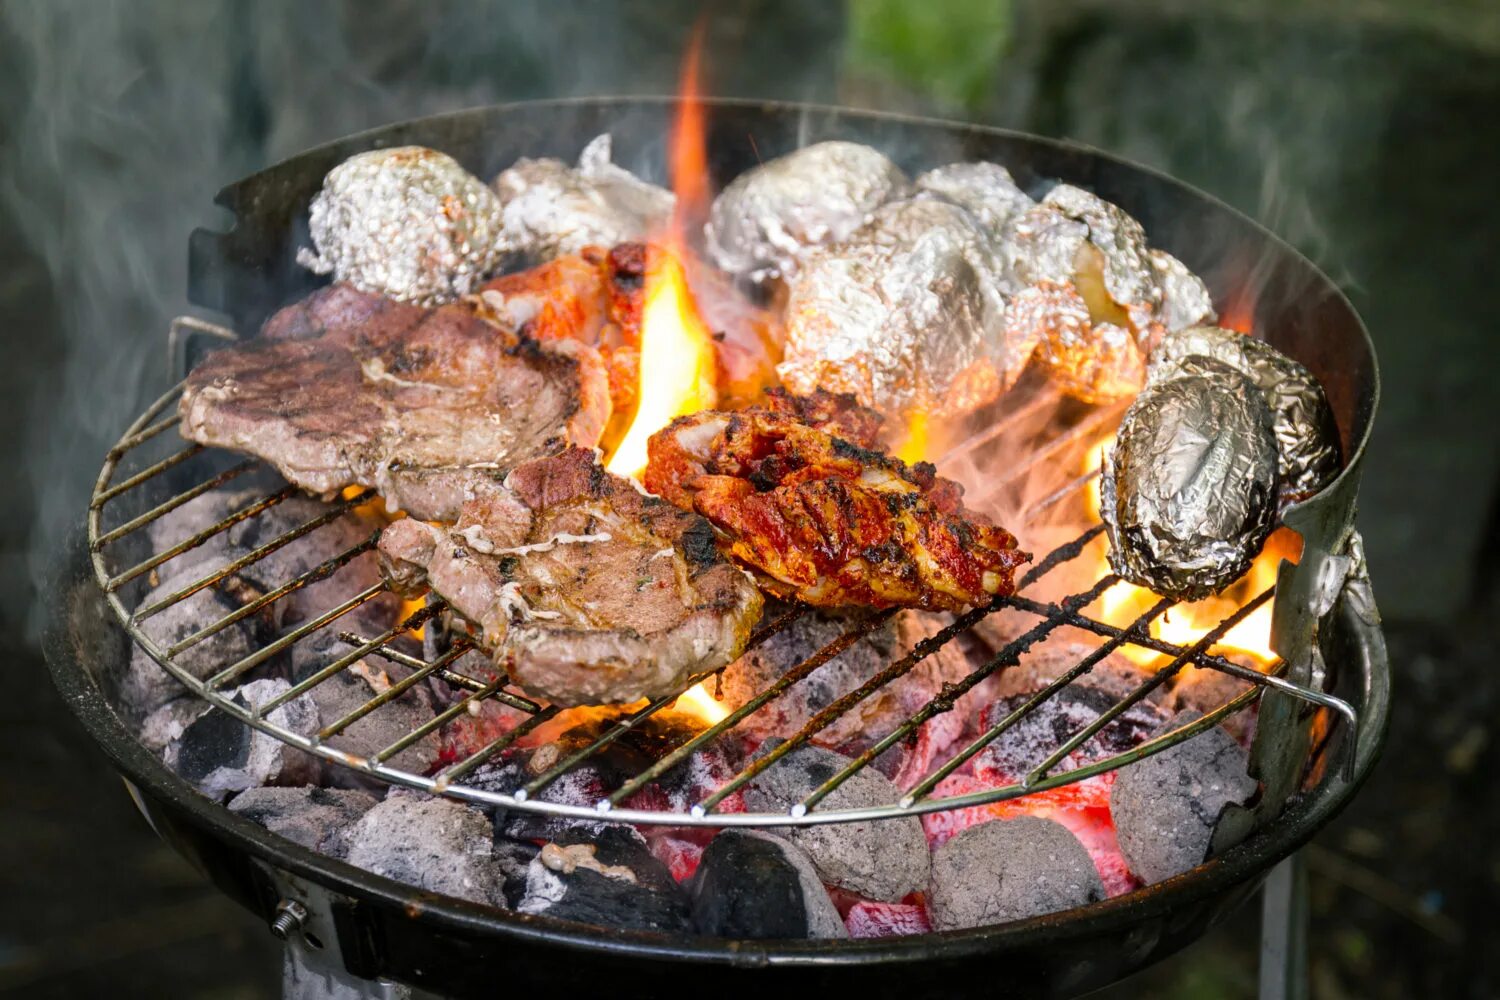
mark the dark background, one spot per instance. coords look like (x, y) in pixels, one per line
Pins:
(1363, 132)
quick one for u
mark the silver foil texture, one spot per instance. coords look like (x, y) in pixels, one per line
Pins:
(985, 190)
(770, 217)
(407, 222)
(551, 209)
(907, 314)
(1306, 434)
(1188, 491)
(1075, 254)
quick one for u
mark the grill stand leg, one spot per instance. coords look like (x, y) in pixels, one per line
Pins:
(1283, 932)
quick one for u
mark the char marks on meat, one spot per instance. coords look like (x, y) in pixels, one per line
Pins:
(825, 519)
(585, 589)
(351, 388)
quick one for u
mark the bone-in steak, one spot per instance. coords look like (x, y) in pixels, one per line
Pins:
(585, 589)
(348, 387)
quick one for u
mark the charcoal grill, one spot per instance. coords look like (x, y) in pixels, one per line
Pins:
(1322, 707)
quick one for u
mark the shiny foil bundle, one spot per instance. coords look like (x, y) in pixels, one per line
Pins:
(1188, 492)
(768, 219)
(1075, 255)
(985, 190)
(551, 209)
(408, 222)
(907, 314)
(1306, 435)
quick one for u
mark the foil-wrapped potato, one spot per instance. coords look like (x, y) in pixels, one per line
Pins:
(1188, 492)
(1094, 296)
(551, 209)
(985, 190)
(1307, 438)
(907, 314)
(409, 223)
(769, 218)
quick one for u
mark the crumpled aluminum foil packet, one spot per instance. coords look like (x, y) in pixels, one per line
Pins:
(907, 314)
(551, 209)
(1188, 491)
(1307, 436)
(985, 190)
(408, 222)
(1074, 251)
(769, 218)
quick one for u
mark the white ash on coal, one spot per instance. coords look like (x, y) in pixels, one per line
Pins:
(514, 859)
(758, 886)
(1009, 870)
(882, 860)
(221, 755)
(1047, 661)
(761, 667)
(431, 843)
(355, 686)
(317, 818)
(1203, 689)
(167, 723)
(608, 880)
(876, 716)
(1038, 734)
(308, 552)
(1166, 807)
(682, 787)
(144, 685)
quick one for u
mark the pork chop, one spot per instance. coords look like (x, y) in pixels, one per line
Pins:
(586, 590)
(351, 388)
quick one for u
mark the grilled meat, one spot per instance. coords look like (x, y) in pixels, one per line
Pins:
(827, 520)
(348, 387)
(586, 590)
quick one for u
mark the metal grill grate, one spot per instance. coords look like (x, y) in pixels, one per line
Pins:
(127, 475)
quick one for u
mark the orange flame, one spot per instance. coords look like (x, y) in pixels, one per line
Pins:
(913, 447)
(697, 701)
(678, 365)
(1185, 624)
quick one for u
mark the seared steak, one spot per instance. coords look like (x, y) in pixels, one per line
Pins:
(348, 387)
(585, 589)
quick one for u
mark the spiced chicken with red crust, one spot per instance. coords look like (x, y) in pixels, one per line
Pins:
(827, 520)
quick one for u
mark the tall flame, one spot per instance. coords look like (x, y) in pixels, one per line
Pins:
(678, 367)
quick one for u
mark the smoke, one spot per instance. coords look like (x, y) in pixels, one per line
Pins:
(121, 122)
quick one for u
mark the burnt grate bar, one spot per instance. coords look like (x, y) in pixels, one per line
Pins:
(470, 692)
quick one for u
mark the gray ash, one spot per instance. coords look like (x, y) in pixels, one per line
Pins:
(757, 886)
(1009, 870)
(221, 755)
(431, 843)
(316, 818)
(1040, 732)
(883, 860)
(1166, 807)
(145, 685)
(356, 685)
(601, 774)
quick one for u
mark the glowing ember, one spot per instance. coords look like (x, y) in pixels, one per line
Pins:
(678, 363)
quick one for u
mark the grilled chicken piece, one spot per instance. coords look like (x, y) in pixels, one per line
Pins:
(828, 521)
(351, 388)
(584, 589)
(593, 297)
